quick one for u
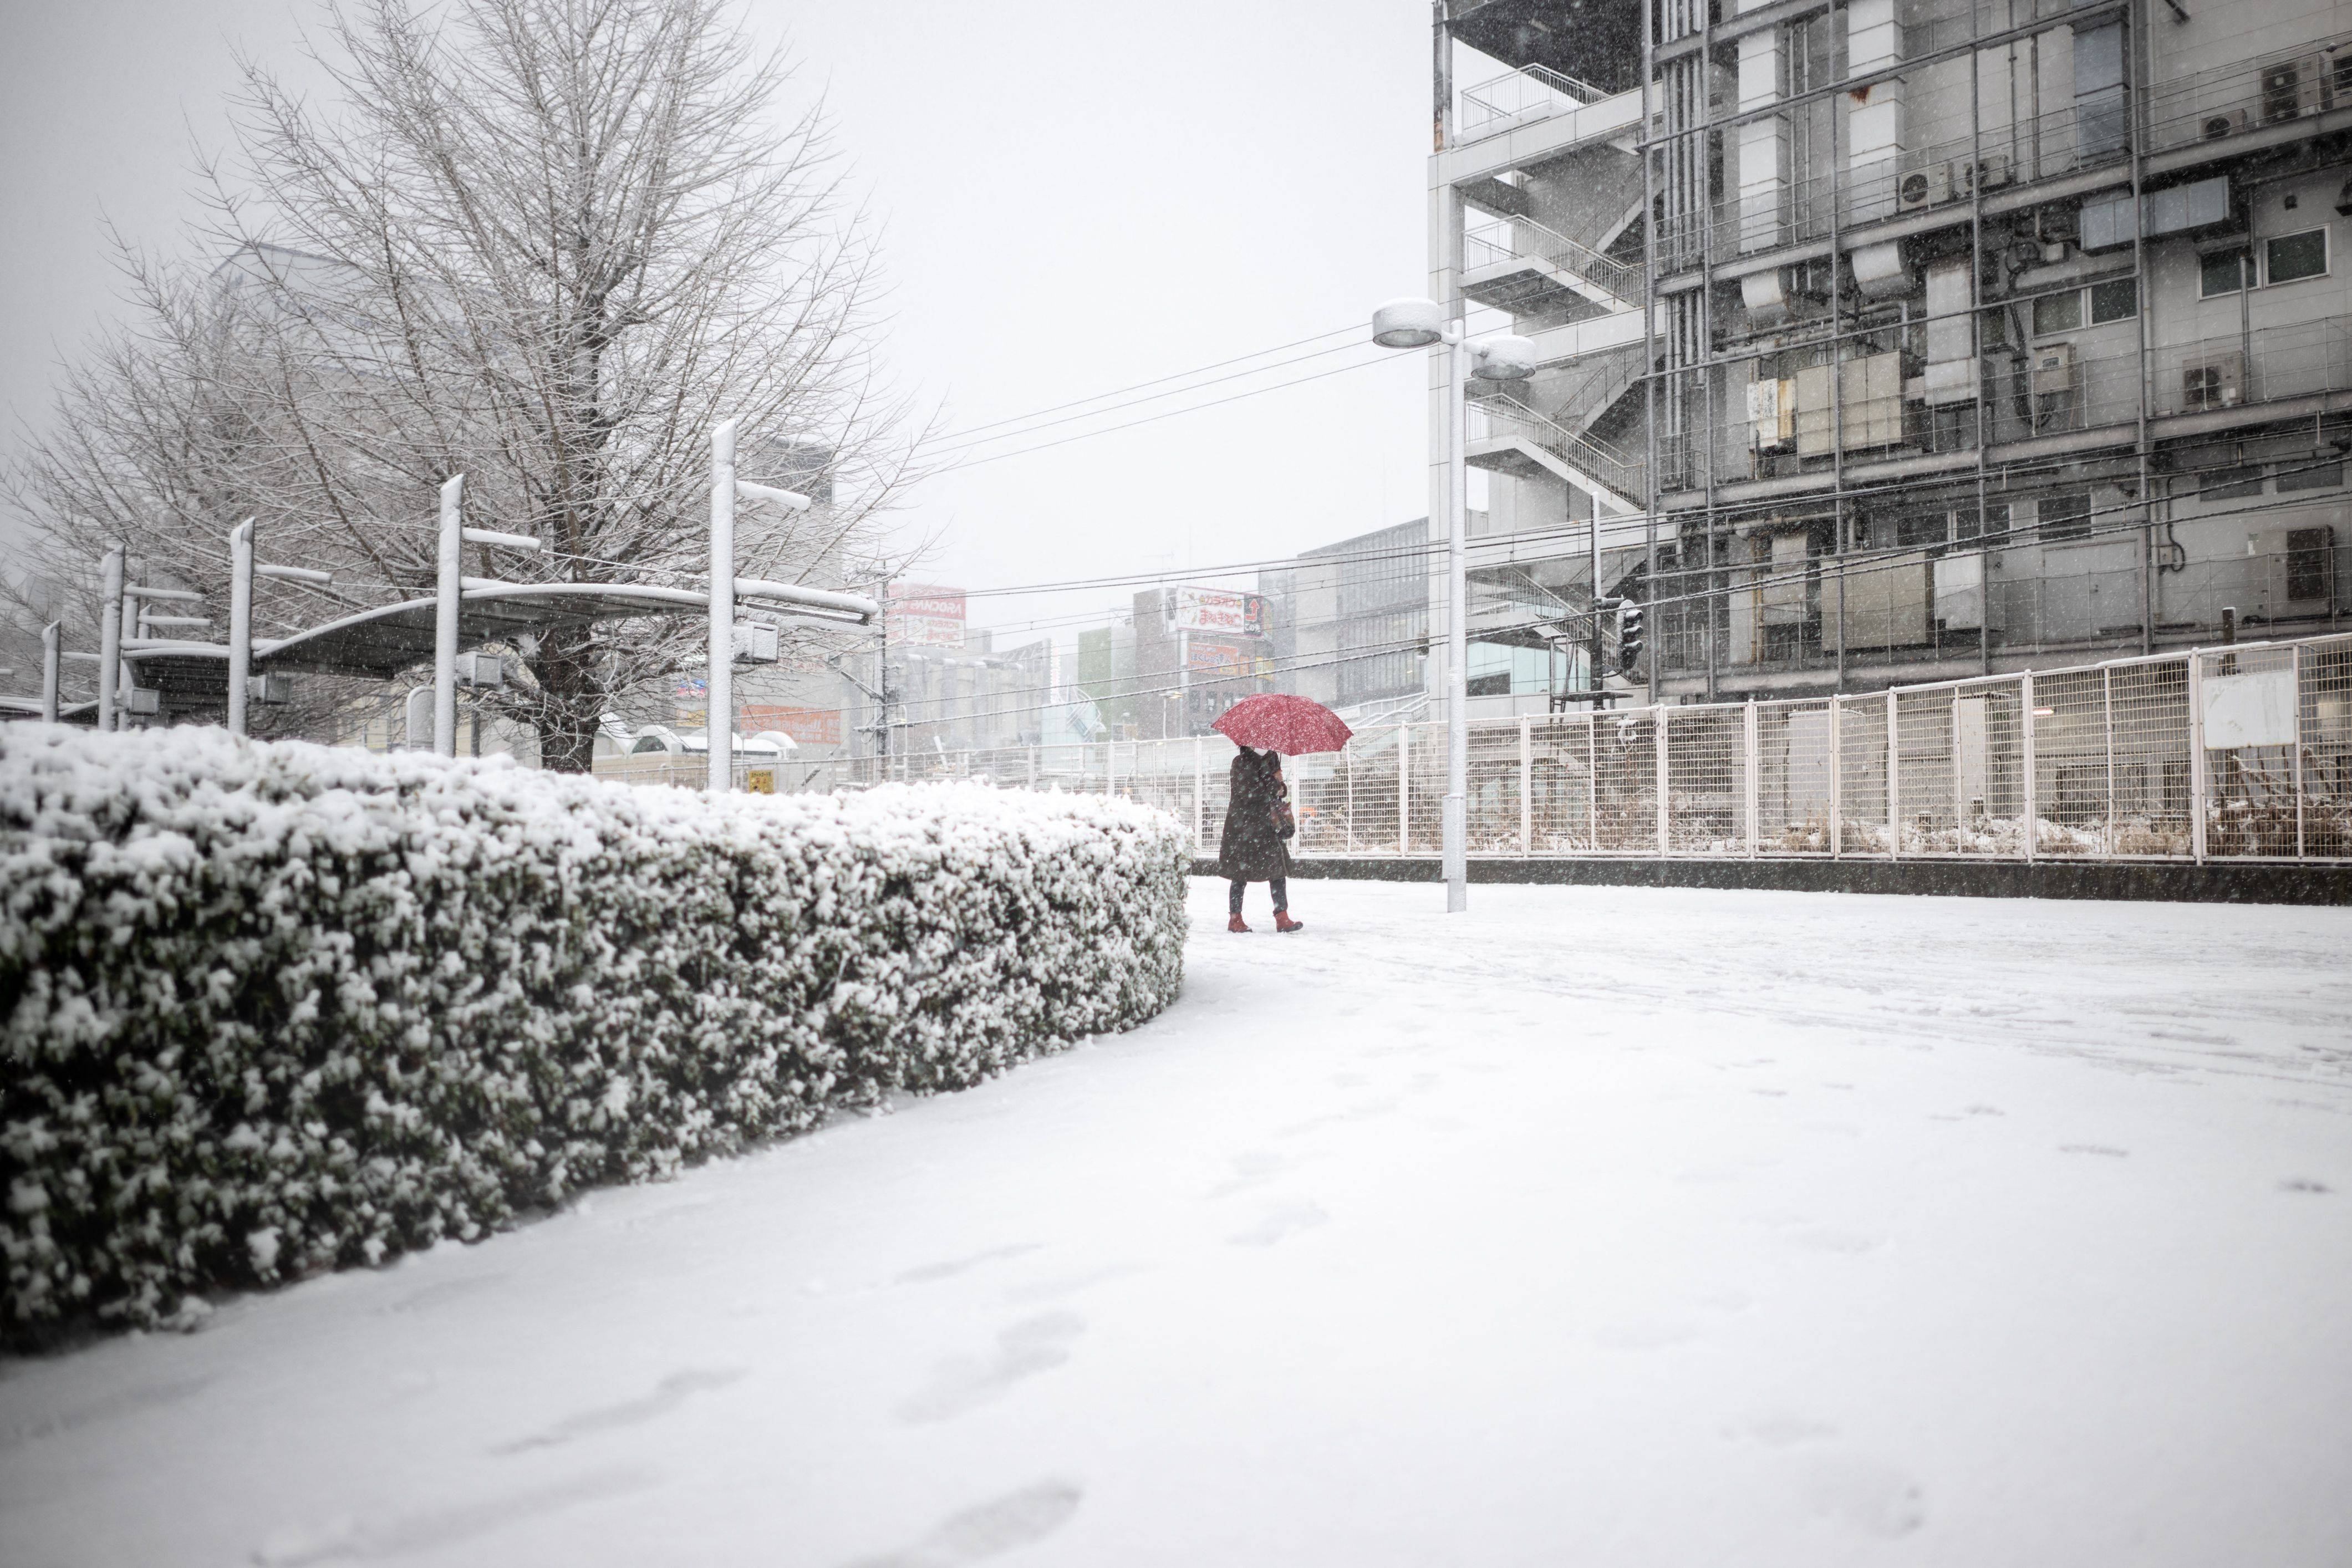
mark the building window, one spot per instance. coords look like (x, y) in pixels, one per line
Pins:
(2312, 477)
(2066, 516)
(2116, 300)
(2292, 258)
(2229, 484)
(2057, 313)
(2220, 272)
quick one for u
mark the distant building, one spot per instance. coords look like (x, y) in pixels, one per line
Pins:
(1358, 618)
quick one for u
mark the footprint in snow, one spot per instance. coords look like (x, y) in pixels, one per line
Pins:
(2094, 1149)
(1029, 1347)
(1284, 1220)
(1016, 1519)
(349, 1540)
(1251, 1167)
(2301, 1184)
(1876, 1498)
(667, 1395)
(1825, 1238)
(955, 1265)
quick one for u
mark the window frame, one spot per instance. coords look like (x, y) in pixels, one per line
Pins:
(2086, 316)
(2243, 255)
(2326, 256)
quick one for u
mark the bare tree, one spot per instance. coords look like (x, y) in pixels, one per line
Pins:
(548, 244)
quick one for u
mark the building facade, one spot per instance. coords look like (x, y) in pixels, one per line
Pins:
(1890, 340)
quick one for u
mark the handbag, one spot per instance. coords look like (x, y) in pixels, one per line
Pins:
(1285, 825)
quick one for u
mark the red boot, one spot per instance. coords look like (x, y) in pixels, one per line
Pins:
(1235, 923)
(1282, 922)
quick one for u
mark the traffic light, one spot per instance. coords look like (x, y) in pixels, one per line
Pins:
(1629, 636)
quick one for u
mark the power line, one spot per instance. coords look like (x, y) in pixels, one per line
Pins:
(958, 436)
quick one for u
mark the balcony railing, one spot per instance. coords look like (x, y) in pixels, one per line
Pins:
(1520, 97)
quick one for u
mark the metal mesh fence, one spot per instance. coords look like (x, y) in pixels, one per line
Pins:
(2241, 752)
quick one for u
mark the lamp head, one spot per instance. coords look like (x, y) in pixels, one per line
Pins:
(1409, 324)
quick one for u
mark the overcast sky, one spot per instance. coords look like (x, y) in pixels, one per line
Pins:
(1078, 194)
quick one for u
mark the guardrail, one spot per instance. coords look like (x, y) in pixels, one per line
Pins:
(1515, 97)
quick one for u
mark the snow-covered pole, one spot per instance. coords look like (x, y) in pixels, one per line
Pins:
(240, 622)
(1455, 839)
(126, 627)
(719, 678)
(444, 617)
(110, 633)
(50, 638)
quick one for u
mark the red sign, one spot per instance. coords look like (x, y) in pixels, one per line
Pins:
(809, 726)
(926, 615)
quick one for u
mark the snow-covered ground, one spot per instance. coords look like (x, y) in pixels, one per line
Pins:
(1594, 1226)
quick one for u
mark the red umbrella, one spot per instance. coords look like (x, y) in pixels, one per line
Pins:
(1291, 725)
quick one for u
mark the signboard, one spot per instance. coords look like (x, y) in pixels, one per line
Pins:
(809, 726)
(690, 701)
(1215, 610)
(1223, 659)
(922, 615)
(2250, 709)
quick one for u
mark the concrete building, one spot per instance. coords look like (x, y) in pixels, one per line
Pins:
(1888, 341)
(1360, 618)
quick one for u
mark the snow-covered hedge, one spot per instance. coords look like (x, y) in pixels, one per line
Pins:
(271, 1008)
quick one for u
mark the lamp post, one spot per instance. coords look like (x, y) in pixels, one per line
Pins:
(1419, 324)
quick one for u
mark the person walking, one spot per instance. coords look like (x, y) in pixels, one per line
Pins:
(1257, 819)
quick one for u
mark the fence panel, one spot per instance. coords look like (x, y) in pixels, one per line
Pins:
(1493, 789)
(2073, 782)
(1625, 783)
(2324, 718)
(2148, 707)
(1707, 780)
(1793, 792)
(1927, 731)
(1563, 785)
(2252, 751)
(1860, 815)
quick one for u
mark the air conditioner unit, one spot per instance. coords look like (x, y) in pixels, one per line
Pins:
(144, 701)
(2053, 369)
(1925, 187)
(2229, 123)
(1989, 172)
(271, 690)
(2218, 382)
(2293, 89)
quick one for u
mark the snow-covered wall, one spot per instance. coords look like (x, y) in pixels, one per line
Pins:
(271, 1008)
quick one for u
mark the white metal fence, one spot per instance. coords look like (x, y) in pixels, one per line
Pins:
(2238, 753)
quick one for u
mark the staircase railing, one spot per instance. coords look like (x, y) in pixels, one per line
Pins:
(1620, 280)
(1599, 392)
(1507, 418)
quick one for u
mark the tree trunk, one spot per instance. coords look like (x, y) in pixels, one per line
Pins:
(572, 703)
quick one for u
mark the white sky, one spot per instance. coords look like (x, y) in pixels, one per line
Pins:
(1078, 195)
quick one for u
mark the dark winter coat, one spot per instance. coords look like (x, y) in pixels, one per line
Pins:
(1251, 852)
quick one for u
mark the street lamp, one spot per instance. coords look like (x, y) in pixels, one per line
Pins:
(1419, 324)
